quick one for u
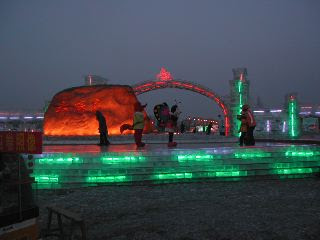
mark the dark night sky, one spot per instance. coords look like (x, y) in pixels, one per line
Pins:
(47, 46)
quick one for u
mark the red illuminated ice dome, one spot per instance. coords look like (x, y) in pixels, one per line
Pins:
(72, 111)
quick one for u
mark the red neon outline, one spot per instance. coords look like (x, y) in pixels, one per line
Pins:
(150, 86)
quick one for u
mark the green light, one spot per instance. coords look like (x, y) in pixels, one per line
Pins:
(228, 174)
(122, 159)
(290, 168)
(222, 168)
(225, 173)
(293, 122)
(106, 179)
(210, 174)
(59, 160)
(172, 176)
(194, 157)
(288, 165)
(240, 95)
(46, 178)
(301, 153)
(55, 171)
(286, 171)
(247, 155)
(236, 110)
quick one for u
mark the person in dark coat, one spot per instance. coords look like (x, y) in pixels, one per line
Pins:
(103, 130)
(182, 127)
(209, 128)
(221, 126)
(243, 129)
(251, 122)
(172, 124)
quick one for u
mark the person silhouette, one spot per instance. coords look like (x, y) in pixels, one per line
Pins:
(103, 129)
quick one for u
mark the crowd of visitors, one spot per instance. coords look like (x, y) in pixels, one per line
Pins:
(168, 121)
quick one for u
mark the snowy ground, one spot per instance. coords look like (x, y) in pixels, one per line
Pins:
(264, 209)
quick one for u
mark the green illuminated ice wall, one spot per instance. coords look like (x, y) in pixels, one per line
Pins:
(65, 170)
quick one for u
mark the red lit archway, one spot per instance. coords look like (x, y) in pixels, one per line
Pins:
(154, 85)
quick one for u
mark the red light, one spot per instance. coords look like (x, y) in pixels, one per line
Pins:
(164, 75)
(158, 83)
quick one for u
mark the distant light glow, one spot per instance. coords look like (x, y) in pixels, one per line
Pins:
(39, 117)
(305, 113)
(258, 111)
(276, 111)
(28, 117)
(284, 127)
(14, 118)
(317, 112)
(268, 126)
(3, 117)
(90, 80)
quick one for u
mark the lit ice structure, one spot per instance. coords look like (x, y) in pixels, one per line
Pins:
(72, 111)
(65, 170)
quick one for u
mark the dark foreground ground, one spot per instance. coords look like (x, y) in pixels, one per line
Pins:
(264, 209)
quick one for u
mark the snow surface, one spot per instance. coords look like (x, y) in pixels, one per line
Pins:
(267, 209)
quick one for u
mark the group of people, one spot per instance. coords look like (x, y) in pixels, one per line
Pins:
(246, 117)
(247, 126)
(171, 115)
(138, 126)
(169, 125)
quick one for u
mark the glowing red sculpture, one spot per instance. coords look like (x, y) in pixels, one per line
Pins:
(72, 111)
(164, 75)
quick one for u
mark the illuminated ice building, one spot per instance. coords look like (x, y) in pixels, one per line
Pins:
(291, 118)
(21, 120)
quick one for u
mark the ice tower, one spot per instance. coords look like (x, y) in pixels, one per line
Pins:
(293, 115)
(239, 95)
